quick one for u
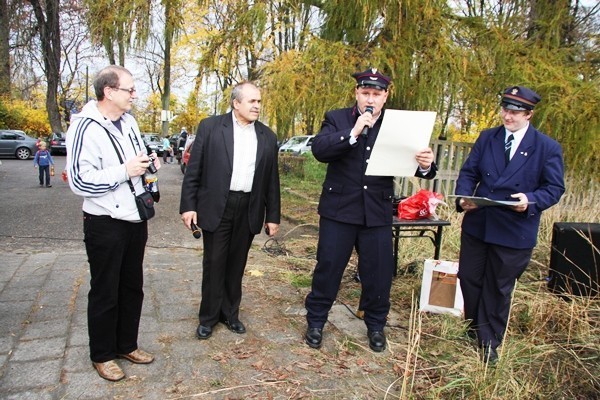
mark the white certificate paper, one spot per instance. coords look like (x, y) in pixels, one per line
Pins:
(402, 134)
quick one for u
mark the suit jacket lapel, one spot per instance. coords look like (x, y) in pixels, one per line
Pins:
(497, 144)
(260, 145)
(227, 132)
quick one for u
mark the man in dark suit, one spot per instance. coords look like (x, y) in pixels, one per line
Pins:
(230, 190)
(510, 162)
(355, 209)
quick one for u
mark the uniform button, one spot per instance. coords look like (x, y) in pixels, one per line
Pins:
(367, 160)
(491, 191)
(365, 187)
(368, 148)
(341, 138)
(330, 189)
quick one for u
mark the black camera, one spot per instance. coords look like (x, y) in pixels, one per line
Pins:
(151, 167)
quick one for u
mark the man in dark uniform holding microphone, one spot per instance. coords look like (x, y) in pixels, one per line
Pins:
(355, 209)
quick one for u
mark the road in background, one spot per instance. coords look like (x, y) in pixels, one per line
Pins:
(50, 219)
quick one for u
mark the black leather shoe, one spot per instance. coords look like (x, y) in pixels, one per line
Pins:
(376, 340)
(472, 334)
(313, 337)
(203, 332)
(235, 327)
(490, 355)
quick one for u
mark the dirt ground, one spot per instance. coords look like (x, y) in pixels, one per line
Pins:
(272, 361)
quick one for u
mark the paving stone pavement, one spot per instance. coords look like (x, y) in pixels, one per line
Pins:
(44, 349)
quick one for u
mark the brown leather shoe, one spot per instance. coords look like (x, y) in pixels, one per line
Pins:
(109, 370)
(138, 357)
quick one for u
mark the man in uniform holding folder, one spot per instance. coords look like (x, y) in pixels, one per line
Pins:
(510, 162)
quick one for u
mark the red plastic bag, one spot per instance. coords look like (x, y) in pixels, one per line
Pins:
(421, 205)
(64, 175)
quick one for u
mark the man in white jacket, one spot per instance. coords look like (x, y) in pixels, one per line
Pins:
(106, 161)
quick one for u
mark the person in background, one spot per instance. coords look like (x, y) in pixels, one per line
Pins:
(513, 162)
(181, 141)
(167, 150)
(100, 136)
(355, 210)
(43, 160)
(230, 190)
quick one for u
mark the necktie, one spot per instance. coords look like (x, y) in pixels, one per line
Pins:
(507, 147)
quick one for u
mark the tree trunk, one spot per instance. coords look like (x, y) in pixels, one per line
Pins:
(4, 51)
(49, 30)
(166, 95)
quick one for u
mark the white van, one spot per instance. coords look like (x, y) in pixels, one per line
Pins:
(297, 144)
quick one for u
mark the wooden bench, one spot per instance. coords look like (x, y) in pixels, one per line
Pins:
(419, 228)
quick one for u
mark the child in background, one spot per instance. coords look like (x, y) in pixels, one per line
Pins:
(43, 160)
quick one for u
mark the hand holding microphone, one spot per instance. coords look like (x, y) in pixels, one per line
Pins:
(196, 231)
(368, 109)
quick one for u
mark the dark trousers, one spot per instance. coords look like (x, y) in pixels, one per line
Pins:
(224, 260)
(44, 171)
(488, 274)
(375, 264)
(167, 154)
(115, 251)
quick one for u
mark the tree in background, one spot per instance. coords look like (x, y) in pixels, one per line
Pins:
(172, 27)
(447, 56)
(4, 49)
(242, 36)
(20, 114)
(124, 24)
(74, 70)
(47, 17)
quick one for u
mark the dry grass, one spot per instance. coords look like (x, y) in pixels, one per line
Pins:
(551, 350)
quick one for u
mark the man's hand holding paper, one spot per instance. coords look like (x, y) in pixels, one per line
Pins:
(424, 158)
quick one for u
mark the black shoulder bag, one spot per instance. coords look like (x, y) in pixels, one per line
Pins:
(144, 201)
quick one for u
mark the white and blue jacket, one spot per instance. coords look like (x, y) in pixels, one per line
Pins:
(93, 166)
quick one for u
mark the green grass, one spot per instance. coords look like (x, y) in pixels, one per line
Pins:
(300, 280)
(551, 349)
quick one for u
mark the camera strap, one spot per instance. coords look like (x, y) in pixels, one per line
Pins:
(112, 141)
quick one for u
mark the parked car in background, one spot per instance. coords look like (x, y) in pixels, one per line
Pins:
(153, 142)
(17, 144)
(57, 143)
(297, 145)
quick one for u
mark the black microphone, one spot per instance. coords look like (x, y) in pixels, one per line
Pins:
(196, 231)
(368, 109)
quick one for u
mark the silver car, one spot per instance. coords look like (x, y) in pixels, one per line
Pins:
(297, 145)
(17, 144)
(153, 142)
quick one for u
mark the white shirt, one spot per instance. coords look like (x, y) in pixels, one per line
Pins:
(518, 137)
(245, 144)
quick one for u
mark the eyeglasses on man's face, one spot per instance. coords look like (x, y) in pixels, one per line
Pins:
(130, 91)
